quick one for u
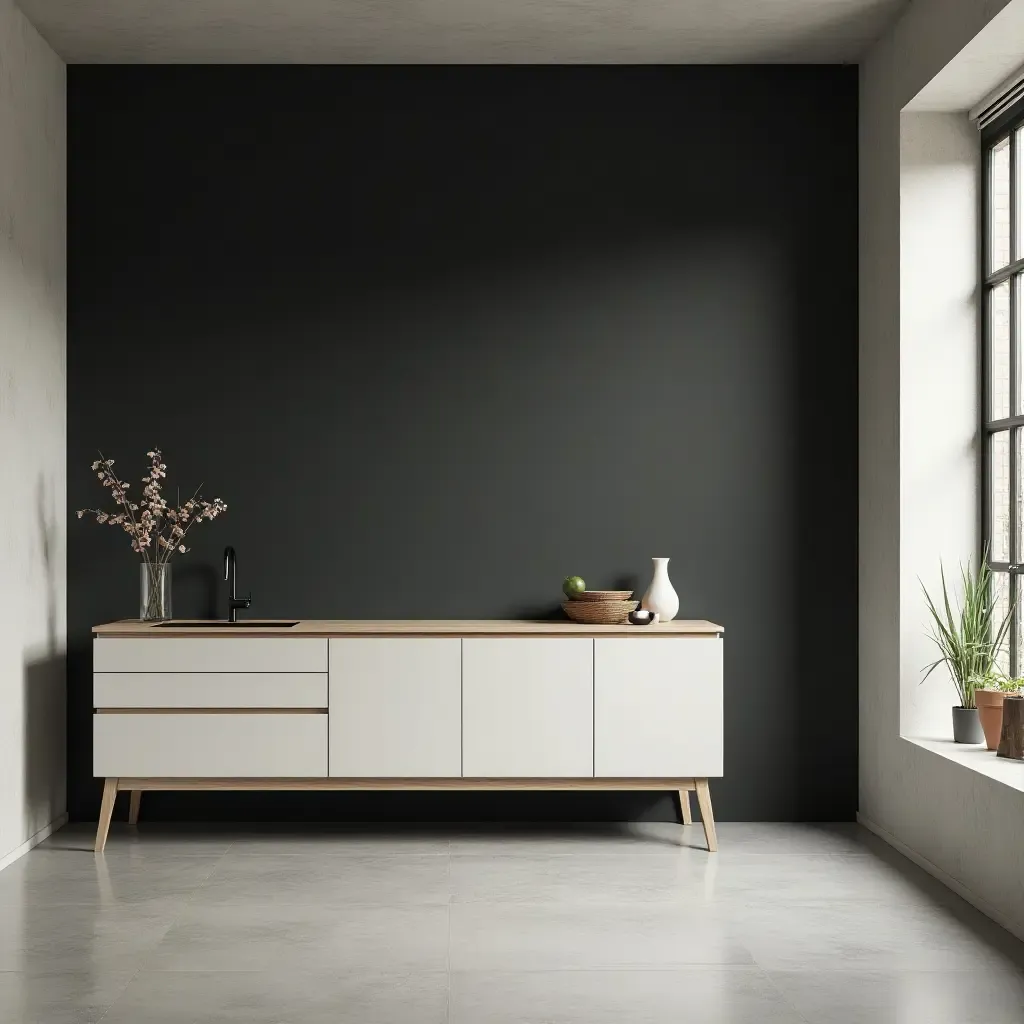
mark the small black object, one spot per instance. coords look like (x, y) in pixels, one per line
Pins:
(234, 603)
(641, 617)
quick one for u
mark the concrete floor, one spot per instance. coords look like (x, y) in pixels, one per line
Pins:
(577, 925)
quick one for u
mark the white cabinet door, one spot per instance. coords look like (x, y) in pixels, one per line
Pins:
(658, 707)
(528, 707)
(395, 707)
(191, 746)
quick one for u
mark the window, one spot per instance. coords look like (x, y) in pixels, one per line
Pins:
(1003, 405)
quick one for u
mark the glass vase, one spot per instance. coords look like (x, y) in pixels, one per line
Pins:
(154, 592)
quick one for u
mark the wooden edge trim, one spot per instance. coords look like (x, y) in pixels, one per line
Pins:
(453, 634)
(211, 711)
(406, 784)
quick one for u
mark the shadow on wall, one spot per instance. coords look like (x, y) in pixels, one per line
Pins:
(44, 681)
(44, 738)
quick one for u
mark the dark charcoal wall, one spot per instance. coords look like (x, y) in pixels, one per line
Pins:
(440, 336)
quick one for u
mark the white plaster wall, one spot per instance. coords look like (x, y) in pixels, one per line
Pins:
(32, 431)
(917, 500)
(940, 169)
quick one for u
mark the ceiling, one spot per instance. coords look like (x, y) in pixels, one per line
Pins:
(992, 56)
(460, 31)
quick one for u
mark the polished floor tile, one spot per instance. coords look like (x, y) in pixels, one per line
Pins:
(858, 936)
(342, 841)
(319, 878)
(981, 995)
(60, 997)
(49, 877)
(273, 997)
(531, 925)
(147, 842)
(621, 877)
(794, 839)
(694, 995)
(653, 837)
(782, 878)
(618, 877)
(253, 937)
(572, 840)
(82, 937)
(531, 937)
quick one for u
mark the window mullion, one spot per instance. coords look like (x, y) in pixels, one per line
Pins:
(986, 363)
(1014, 254)
(1014, 552)
(1014, 546)
(1005, 273)
(1007, 423)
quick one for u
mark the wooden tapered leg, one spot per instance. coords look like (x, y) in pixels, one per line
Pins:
(133, 807)
(106, 813)
(707, 815)
(684, 804)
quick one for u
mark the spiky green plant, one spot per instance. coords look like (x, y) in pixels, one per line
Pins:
(968, 638)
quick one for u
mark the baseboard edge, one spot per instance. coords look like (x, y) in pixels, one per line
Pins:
(45, 832)
(976, 901)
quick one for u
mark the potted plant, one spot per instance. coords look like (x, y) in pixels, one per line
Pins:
(969, 640)
(989, 700)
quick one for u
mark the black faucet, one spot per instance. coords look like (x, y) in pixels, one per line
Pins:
(234, 603)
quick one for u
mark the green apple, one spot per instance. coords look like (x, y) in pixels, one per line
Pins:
(573, 586)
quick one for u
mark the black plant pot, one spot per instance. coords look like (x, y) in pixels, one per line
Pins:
(967, 726)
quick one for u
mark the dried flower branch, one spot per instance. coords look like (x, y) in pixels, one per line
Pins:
(157, 529)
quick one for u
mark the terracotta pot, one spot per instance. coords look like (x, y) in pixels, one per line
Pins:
(990, 711)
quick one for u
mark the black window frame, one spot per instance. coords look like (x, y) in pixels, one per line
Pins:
(1008, 126)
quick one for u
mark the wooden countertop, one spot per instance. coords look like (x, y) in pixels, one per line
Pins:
(409, 627)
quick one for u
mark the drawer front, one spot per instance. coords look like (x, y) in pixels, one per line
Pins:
(210, 745)
(396, 707)
(209, 654)
(209, 690)
(658, 707)
(527, 708)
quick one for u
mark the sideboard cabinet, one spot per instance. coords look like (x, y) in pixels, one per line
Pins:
(408, 705)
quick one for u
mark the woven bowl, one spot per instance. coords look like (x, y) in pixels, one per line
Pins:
(599, 613)
(603, 595)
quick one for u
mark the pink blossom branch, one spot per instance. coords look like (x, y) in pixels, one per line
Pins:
(175, 518)
(210, 511)
(118, 489)
(157, 521)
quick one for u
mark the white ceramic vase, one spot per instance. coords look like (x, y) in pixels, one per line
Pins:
(661, 596)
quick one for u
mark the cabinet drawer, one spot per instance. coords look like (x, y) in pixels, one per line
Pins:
(658, 707)
(209, 654)
(210, 745)
(209, 690)
(527, 708)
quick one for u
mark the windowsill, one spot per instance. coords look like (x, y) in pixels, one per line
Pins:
(976, 759)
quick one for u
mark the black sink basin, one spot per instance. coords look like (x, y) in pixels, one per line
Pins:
(223, 624)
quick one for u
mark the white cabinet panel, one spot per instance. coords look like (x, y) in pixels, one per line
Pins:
(527, 707)
(209, 690)
(395, 707)
(210, 654)
(658, 707)
(210, 745)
